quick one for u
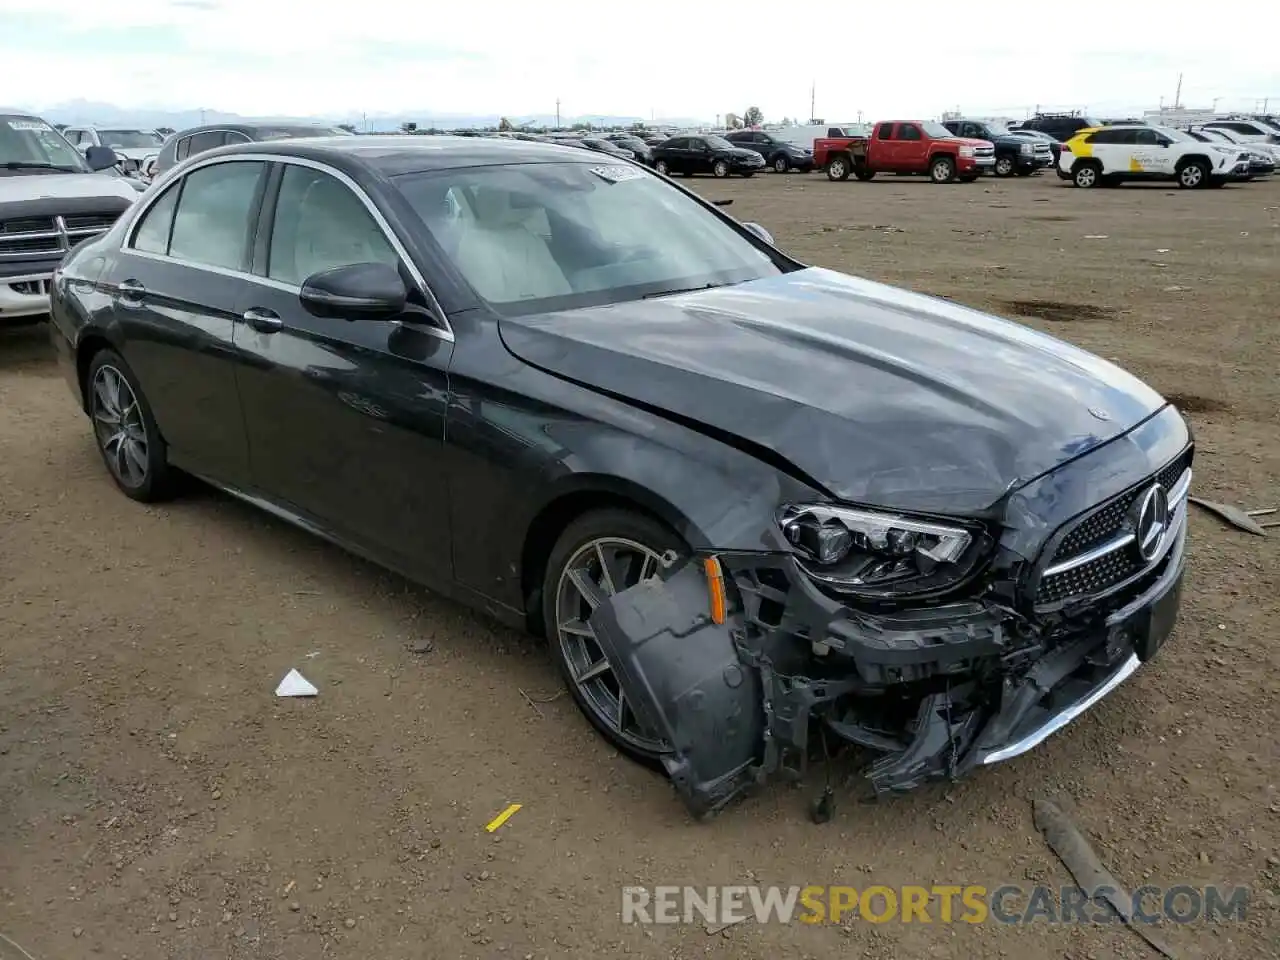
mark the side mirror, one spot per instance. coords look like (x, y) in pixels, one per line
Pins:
(100, 158)
(361, 291)
(760, 232)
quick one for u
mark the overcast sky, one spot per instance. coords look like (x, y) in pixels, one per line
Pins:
(327, 58)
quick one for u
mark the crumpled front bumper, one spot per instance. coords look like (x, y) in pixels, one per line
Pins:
(937, 693)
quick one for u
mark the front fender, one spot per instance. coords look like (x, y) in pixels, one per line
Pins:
(546, 449)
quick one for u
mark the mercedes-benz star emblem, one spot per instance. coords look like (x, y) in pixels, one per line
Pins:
(1152, 522)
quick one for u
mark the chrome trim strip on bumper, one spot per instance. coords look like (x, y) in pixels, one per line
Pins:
(1176, 496)
(1065, 716)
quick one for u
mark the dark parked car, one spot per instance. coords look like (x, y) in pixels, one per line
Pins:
(705, 153)
(750, 503)
(1014, 155)
(779, 155)
(607, 146)
(196, 140)
(1062, 126)
(643, 151)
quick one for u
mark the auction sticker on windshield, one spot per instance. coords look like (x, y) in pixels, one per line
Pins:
(27, 125)
(617, 174)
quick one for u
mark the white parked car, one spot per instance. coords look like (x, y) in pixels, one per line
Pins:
(1105, 156)
(136, 148)
(1246, 131)
(51, 198)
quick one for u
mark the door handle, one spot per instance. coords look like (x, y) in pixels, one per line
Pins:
(131, 291)
(264, 321)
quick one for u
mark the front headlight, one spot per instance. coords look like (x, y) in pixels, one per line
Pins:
(966, 151)
(880, 555)
(1026, 149)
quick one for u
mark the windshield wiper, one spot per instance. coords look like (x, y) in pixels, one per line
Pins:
(25, 165)
(672, 293)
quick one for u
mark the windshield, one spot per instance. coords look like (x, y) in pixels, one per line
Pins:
(553, 236)
(27, 141)
(290, 133)
(1178, 136)
(935, 130)
(129, 138)
(718, 143)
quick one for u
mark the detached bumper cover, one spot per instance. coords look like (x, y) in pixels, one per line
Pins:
(937, 693)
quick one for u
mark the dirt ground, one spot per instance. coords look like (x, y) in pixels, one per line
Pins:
(157, 801)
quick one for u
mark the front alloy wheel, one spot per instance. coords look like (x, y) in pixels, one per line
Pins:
(942, 170)
(781, 164)
(1004, 166)
(1193, 176)
(661, 167)
(599, 555)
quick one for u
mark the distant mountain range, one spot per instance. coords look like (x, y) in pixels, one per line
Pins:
(110, 115)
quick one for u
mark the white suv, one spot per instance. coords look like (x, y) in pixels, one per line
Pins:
(1104, 156)
(1248, 131)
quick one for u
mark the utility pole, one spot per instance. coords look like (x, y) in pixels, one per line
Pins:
(557, 113)
(364, 122)
(1177, 97)
(813, 99)
(202, 116)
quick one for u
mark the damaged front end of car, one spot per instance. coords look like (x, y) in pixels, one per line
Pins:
(937, 645)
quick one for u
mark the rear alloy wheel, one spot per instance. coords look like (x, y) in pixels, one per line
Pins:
(838, 169)
(661, 167)
(126, 434)
(600, 554)
(1004, 166)
(942, 170)
(720, 168)
(1087, 175)
(1194, 175)
(781, 164)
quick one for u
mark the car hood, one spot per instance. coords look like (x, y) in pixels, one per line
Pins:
(69, 186)
(872, 393)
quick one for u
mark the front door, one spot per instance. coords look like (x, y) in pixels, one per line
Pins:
(345, 417)
(912, 150)
(177, 285)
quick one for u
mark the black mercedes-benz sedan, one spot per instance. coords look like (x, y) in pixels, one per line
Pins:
(757, 508)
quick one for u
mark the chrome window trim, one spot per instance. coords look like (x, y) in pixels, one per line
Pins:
(140, 208)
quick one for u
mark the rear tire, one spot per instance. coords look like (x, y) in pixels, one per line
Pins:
(781, 164)
(1087, 175)
(125, 432)
(661, 167)
(629, 543)
(838, 168)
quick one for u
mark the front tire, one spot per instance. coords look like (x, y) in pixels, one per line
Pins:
(124, 430)
(942, 170)
(1005, 167)
(720, 169)
(1194, 176)
(597, 555)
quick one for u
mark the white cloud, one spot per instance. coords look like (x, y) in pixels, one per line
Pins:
(332, 57)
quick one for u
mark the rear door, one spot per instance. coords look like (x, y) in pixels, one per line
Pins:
(1150, 154)
(176, 287)
(884, 148)
(345, 417)
(912, 148)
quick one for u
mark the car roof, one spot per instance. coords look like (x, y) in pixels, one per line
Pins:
(394, 155)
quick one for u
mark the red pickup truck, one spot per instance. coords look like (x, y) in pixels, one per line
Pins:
(905, 146)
